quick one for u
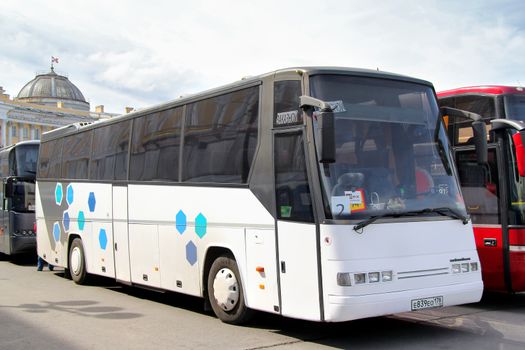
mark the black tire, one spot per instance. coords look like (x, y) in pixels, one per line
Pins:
(77, 262)
(228, 304)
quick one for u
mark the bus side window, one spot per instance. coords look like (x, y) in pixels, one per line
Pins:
(50, 159)
(109, 158)
(75, 155)
(220, 137)
(155, 146)
(291, 181)
(286, 99)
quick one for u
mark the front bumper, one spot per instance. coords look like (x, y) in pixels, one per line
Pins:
(345, 308)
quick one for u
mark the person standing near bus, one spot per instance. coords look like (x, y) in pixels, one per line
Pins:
(40, 265)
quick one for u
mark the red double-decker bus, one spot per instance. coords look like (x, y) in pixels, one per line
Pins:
(494, 191)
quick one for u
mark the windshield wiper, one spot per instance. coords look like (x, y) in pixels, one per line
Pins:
(371, 219)
(445, 211)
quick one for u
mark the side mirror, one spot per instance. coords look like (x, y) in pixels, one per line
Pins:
(519, 145)
(9, 191)
(326, 122)
(480, 142)
(327, 133)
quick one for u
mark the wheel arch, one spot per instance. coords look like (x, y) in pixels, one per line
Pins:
(212, 253)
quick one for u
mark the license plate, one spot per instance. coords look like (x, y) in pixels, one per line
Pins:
(427, 303)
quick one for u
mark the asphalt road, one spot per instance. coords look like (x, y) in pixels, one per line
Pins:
(44, 310)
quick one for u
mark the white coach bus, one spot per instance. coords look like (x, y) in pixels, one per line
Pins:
(325, 194)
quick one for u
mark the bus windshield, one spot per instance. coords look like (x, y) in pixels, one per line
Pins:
(392, 153)
(26, 158)
(515, 106)
(24, 196)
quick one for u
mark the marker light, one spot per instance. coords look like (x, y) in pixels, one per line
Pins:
(473, 266)
(465, 267)
(386, 276)
(360, 278)
(373, 277)
(456, 268)
(343, 279)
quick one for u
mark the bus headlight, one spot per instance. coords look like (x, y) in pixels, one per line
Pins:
(386, 276)
(360, 278)
(465, 267)
(456, 268)
(373, 277)
(343, 279)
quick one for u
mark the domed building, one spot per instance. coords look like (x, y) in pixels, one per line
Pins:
(55, 90)
(47, 102)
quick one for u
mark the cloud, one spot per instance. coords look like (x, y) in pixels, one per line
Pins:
(124, 53)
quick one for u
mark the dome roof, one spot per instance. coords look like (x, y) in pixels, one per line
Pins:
(50, 88)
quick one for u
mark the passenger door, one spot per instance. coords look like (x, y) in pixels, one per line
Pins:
(120, 233)
(296, 230)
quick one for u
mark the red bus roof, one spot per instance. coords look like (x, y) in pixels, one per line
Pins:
(484, 90)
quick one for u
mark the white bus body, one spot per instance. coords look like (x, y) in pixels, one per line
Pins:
(167, 235)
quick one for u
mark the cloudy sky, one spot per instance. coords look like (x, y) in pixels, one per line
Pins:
(139, 53)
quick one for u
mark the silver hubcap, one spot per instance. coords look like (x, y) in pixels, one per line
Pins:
(226, 289)
(75, 260)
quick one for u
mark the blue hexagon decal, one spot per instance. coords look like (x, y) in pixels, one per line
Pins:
(103, 239)
(191, 253)
(66, 221)
(69, 194)
(81, 220)
(200, 225)
(56, 231)
(180, 222)
(59, 194)
(92, 201)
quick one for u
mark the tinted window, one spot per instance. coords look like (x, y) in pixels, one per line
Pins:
(482, 105)
(26, 160)
(220, 137)
(4, 163)
(515, 107)
(155, 146)
(49, 159)
(109, 160)
(291, 181)
(75, 157)
(286, 103)
(479, 184)
(459, 129)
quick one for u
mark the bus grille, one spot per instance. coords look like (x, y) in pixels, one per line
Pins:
(423, 273)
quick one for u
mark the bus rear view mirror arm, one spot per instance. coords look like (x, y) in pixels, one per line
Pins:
(478, 128)
(325, 119)
(454, 113)
(518, 139)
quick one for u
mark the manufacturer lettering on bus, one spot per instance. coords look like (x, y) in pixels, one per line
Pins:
(287, 118)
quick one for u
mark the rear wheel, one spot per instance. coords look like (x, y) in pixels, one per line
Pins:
(77, 262)
(225, 291)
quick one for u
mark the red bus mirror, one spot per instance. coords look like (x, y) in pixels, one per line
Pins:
(519, 146)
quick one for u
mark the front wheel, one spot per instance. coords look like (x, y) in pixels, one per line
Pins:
(225, 291)
(77, 262)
